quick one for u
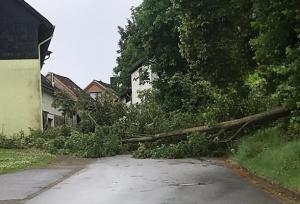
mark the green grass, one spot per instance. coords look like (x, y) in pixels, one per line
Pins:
(15, 160)
(270, 154)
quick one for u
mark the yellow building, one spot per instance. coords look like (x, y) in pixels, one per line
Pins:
(25, 36)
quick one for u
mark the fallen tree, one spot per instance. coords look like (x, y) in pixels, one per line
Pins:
(241, 123)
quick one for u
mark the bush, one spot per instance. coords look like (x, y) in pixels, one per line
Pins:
(253, 145)
(271, 154)
(18, 141)
(196, 145)
(67, 140)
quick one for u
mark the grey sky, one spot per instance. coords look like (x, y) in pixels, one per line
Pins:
(86, 36)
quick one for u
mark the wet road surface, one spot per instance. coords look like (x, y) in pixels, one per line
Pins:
(124, 180)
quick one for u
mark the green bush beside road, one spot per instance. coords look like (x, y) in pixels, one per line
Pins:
(271, 153)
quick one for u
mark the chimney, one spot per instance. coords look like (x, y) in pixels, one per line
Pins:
(113, 81)
(52, 79)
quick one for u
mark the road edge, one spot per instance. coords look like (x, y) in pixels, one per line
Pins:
(275, 190)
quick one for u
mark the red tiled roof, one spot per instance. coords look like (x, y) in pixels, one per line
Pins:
(68, 82)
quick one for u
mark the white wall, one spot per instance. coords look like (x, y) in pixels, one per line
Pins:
(137, 87)
(47, 104)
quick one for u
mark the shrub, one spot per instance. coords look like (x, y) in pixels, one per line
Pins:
(18, 141)
(271, 154)
(196, 145)
(254, 144)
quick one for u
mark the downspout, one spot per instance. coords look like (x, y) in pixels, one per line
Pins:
(40, 67)
(42, 43)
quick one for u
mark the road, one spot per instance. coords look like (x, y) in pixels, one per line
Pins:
(123, 180)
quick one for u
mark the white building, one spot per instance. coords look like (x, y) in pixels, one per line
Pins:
(142, 79)
(52, 117)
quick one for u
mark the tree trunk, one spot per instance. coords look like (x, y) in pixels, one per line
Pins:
(264, 117)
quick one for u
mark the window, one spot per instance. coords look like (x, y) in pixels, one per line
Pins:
(50, 123)
(144, 76)
(95, 95)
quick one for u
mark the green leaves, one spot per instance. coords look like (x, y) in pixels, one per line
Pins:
(65, 104)
(277, 48)
(246, 52)
(213, 39)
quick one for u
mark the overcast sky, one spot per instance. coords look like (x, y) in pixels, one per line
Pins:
(86, 36)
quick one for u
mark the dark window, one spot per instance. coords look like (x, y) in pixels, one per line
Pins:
(144, 76)
(95, 95)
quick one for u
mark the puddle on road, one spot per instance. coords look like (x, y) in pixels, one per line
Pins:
(137, 176)
(190, 184)
(182, 163)
(145, 191)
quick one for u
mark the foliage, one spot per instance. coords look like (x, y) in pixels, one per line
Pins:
(68, 141)
(257, 153)
(64, 103)
(151, 36)
(216, 60)
(14, 160)
(15, 142)
(277, 49)
(103, 111)
(91, 145)
(214, 36)
(131, 51)
(228, 43)
(196, 145)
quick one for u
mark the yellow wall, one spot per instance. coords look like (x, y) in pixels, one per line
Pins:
(20, 96)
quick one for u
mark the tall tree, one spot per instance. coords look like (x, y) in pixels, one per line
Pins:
(277, 47)
(215, 38)
(131, 50)
(152, 34)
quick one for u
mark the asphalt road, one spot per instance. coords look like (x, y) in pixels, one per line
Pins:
(123, 180)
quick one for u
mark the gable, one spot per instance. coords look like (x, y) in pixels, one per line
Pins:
(46, 85)
(18, 32)
(21, 30)
(14, 11)
(95, 87)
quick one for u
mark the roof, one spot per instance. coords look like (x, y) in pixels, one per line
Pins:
(138, 64)
(36, 14)
(46, 85)
(101, 83)
(106, 85)
(67, 82)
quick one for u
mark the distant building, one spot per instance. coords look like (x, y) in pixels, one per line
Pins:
(98, 89)
(52, 117)
(64, 84)
(25, 36)
(142, 79)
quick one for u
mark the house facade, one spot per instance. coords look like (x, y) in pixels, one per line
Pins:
(25, 36)
(97, 89)
(52, 117)
(65, 84)
(142, 79)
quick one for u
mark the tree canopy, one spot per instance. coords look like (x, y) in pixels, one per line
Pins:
(240, 49)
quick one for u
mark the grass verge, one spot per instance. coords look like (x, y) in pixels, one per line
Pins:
(14, 160)
(271, 154)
